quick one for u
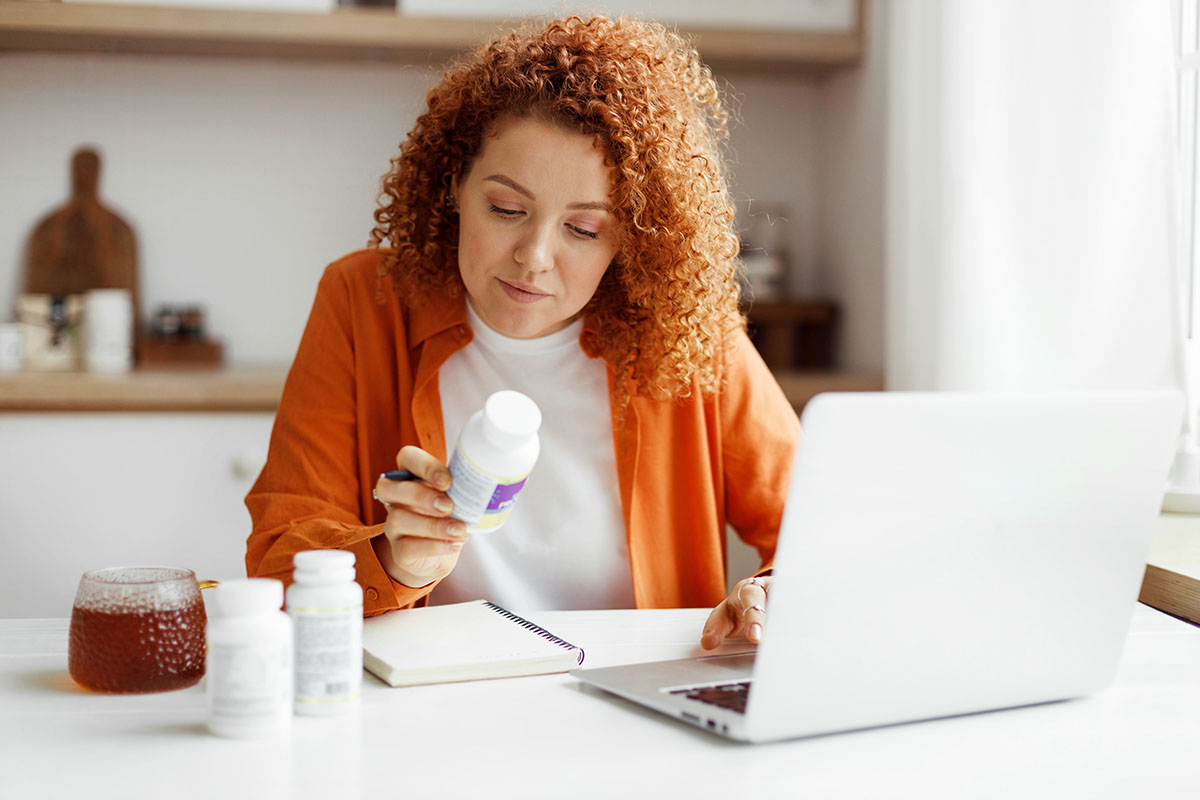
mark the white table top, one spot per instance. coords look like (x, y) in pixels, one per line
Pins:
(547, 736)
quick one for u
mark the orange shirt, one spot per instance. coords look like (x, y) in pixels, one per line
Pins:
(364, 384)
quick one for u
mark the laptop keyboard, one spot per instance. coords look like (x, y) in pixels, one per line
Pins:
(727, 695)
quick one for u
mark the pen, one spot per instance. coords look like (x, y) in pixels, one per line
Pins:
(400, 475)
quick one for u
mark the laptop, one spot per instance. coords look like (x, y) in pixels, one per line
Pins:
(939, 554)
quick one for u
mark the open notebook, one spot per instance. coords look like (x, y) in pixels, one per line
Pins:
(461, 642)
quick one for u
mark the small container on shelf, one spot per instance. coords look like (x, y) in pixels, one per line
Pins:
(178, 339)
(50, 331)
(108, 337)
(11, 356)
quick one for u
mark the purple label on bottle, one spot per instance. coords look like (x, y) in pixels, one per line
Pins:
(504, 496)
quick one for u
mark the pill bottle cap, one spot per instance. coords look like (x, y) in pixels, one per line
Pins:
(510, 419)
(323, 566)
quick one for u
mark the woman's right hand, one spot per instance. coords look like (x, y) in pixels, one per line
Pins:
(423, 542)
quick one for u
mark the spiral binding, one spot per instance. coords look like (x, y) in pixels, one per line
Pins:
(538, 629)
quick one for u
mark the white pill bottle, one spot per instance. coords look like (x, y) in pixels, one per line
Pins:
(249, 670)
(326, 607)
(495, 453)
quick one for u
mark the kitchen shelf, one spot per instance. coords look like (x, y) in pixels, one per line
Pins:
(193, 390)
(257, 388)
(794, 334)
(358, 34)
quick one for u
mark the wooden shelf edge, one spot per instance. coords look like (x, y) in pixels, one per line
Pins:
(259, 389)
(345, 34)
(224, 390)
(352, 33)
(799, 50)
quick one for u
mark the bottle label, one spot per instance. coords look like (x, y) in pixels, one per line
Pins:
(328, 654)
(249, 681)
(482, 500)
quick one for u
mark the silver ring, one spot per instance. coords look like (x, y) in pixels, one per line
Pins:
(375, 493)
(759, 582)
(753, 608)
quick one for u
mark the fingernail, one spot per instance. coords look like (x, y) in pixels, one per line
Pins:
(441, 478)
(443, 505)
(457, 529)
(456, 545)
(755, 632)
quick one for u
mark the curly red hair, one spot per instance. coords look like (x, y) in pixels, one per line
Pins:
(671, 294)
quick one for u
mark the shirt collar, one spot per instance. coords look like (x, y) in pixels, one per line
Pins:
(436, 315)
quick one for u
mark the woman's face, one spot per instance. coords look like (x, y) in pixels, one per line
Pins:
(536, 233)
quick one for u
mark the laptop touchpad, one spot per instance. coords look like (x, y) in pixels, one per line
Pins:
(740, 662)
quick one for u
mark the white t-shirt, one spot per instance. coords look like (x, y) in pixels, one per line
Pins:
(563, 546)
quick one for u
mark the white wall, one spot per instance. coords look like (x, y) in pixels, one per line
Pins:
(80, 492)
(243, 178)
(852, 141)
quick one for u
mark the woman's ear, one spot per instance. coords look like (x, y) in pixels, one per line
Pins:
(452, 198)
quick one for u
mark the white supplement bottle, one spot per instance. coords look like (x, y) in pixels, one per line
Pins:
(495, 453)
(249, 660)
(326, 607)
(108, 330)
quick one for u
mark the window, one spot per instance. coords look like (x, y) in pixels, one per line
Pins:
(1187, 16)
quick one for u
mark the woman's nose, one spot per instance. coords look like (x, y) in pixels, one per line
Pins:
(535, 250)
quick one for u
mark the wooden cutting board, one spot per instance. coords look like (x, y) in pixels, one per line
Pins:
(83, 245)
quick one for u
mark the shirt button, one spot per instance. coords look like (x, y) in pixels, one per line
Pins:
(372, 593)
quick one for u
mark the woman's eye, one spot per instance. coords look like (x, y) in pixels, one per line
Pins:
(503, 212)
(583, 233)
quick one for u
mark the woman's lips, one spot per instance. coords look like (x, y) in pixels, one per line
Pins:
(522, 293)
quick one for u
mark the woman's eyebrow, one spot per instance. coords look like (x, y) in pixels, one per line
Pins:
(504, 180)
(510, 183)
(589, 206)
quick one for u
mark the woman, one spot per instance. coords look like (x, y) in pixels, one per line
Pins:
(558, 222)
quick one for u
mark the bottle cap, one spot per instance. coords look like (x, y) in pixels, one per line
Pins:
(249, 596)
(324, 565)
(510, 418)
(317, 560)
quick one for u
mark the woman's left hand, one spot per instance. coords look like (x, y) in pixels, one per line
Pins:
(741, 614)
